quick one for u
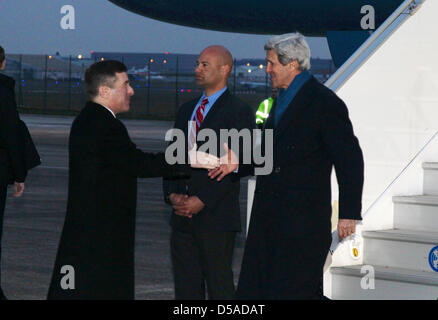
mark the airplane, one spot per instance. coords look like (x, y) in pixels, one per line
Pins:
(338, 20)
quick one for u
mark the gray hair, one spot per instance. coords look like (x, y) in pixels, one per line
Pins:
(290, 47)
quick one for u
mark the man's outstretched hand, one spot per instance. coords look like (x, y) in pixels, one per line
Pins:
(202, 160)
(228, 163)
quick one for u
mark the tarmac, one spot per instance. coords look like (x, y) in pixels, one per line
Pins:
(33, 223)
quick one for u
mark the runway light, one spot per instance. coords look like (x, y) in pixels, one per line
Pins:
(249, 70)
(248, 64)
(102, 59)
(164, 61)
(166, 52)
(151, 61)
(50, 57)
(261, 66)
(80, 56)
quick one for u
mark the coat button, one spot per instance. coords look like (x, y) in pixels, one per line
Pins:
(277, 170)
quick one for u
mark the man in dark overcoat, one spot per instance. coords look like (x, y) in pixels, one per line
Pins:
(290, 229)
(95, 258)
(15, 142)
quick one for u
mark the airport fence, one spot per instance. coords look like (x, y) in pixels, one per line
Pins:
(55, 85)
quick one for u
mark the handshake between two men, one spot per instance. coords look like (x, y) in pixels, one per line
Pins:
(187, 206)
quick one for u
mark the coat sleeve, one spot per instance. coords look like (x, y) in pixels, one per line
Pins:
(346, 154)
(176, 184)
(11, 136)
(120, 151)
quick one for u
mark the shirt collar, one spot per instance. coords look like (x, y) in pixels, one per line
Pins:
(212, 98)
(109, 110)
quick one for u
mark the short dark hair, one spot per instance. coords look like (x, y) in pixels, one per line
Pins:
(2, 54)
(102, 73)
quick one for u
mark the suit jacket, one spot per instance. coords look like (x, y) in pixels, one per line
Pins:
(221, 199)
(12, 143)
(293, 203)
(99, 229)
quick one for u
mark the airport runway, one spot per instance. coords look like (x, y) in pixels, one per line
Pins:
(33, 223)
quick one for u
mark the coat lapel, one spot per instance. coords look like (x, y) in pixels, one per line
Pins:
(292, 112)
(214, 109)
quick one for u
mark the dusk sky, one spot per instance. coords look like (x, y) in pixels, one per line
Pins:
(33, 26)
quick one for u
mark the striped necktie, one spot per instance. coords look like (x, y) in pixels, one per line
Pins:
(198, 117)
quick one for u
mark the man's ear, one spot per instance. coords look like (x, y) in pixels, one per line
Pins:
(294, 65)
(104, 92)
(3, 65)
(226, 69)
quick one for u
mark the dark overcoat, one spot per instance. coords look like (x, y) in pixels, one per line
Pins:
(290, 230)
(12, 151)
(99, 229)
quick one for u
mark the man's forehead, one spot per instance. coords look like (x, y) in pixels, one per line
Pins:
(271, 55)
(122, 76)
(206, 57)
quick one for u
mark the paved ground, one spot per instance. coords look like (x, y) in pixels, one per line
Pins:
(33, 223)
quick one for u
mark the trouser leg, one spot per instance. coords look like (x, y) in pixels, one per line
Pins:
(3, 193)
(187, 272)
(216, 252)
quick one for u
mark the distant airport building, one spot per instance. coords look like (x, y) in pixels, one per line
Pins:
(37, 67)
(251, 73)
(158, 62)
(168, 62)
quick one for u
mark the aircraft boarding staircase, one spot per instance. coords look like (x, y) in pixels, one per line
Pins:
(390, 86)
(400, 256)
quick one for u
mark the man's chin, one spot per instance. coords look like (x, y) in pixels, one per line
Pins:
(125, 109)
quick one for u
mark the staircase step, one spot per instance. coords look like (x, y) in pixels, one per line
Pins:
(430, 165)
(430, 180)
(416, 212)
(389, 283)
(399, 248)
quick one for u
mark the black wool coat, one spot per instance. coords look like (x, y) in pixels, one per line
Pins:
(290, 229)
(12, 145)
(99, 230)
